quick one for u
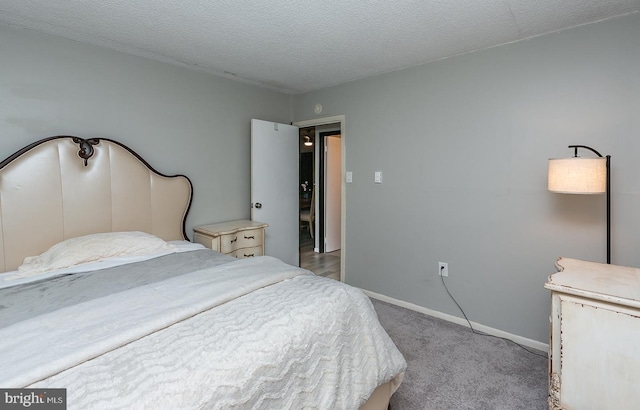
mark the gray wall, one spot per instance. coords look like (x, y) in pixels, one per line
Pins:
(463, 145)
(180, 121)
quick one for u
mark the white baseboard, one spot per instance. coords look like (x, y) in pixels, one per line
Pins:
(460, 321)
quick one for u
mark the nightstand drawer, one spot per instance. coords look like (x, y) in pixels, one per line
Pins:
(208, 241)
(248, 252)
(243, 239)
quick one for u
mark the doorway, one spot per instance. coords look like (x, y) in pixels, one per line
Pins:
(306, 196)
(327, 183)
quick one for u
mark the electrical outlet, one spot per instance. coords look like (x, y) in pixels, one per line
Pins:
(443, 269)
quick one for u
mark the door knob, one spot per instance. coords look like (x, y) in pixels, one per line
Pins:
(258, 205)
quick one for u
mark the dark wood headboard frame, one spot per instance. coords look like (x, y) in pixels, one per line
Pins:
(59, 148)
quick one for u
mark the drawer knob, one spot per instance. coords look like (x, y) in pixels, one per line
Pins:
(249, 255)
(249, 237)
(234, 239)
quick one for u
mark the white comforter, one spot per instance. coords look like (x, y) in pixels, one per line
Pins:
(251, 334)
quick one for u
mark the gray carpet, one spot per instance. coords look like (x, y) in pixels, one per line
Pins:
(449, 367)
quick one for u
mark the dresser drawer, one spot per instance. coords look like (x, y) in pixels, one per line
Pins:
(208, 241)
(243, 239)
(248, 252)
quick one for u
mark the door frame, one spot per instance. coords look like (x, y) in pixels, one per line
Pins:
(322, 171)
(343, 187)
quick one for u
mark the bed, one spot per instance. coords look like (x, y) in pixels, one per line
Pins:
(102, 294)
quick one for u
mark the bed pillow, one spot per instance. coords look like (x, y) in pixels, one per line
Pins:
(93, 248)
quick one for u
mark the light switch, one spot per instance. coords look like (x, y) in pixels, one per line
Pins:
(377, 177)
(349, 177)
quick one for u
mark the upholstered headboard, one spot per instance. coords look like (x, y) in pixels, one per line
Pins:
(63, 187)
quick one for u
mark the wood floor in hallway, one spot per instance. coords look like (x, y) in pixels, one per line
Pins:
(322, 264)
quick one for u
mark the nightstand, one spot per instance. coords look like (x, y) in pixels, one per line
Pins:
(241, 239)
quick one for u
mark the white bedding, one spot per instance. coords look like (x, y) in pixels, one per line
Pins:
(14, 277)
(94, 247)
(251, 334)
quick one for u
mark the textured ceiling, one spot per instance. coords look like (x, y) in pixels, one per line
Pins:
(297, 46)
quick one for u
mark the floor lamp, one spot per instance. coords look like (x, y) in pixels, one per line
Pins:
(579, 175)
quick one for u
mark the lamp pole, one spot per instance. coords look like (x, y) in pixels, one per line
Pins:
(608, 193)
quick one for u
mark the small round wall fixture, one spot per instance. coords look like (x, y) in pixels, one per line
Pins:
(317, 109)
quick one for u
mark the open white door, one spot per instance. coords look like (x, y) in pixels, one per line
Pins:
(333, 197)
(274, 187)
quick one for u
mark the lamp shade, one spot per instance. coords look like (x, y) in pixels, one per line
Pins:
(578, 175)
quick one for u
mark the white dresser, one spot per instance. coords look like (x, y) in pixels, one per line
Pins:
(594, 360)
(241, 239)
